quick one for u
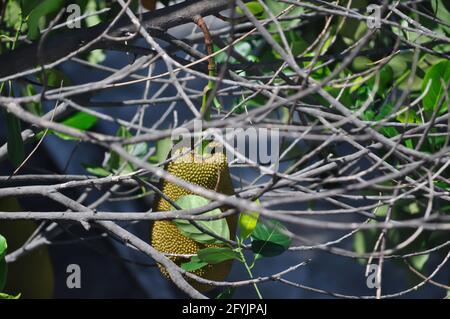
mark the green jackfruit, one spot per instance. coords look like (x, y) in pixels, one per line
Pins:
(208, 171)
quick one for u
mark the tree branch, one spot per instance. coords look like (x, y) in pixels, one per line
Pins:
(62, 44)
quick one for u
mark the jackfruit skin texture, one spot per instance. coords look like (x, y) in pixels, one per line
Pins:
(210, 172)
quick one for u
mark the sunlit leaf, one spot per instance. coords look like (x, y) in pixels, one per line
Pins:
(96, 170)
(247, 222)
(419, 261)
(41, 10)
(215, 255)
(81, 121)
(253, 6)
(6, 296)
(194, 264)
(218, 227)
(436, 78)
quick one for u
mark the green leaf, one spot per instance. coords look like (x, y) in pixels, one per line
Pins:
(96, 56)
(274, 232)
(32, 107)
(27, 6)
(266, 248)
(206, 148)
(352, 30)
(139, 150)
(81, 121)
(270, 240)
(380, 211)
(412, 208)
(3, 267)
(227, 293)
(41, 10)
(276, 6)
(244, 48)
(384, 111)
(297, 44)
(359, 243)
(419, 261)
(54, 78)
(439, 75)
(442, 184)
(247, 222)
(96, 170)
(385, 78)
(12, 15)
(207, 91)
(162, 150)
(16, 149)
(6, 296)
(254, 7)
(115, 162)
(218, 226)
(361, 63)
(215, 255)
(442, 13)
(407, 116)
(364, 241)
(3, 246)
(194, 264)
(92, 20)
(399, 64)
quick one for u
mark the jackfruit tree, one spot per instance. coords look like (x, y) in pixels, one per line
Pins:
(226, 148)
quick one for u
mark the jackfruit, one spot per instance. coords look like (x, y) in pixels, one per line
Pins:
(211, 172)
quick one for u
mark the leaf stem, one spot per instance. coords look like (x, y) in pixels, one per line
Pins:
(205, 110)
(248, 268)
